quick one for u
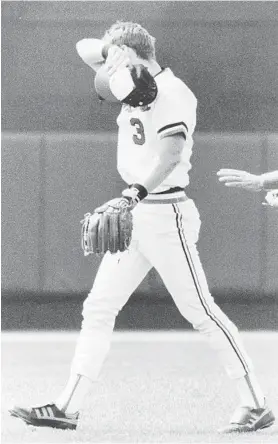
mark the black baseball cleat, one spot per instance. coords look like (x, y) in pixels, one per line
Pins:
(46, 416)
(248, 419)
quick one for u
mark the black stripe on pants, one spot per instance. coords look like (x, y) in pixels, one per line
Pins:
(201, 297)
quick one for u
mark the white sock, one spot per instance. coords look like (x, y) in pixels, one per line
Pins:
(250, 392)
(72, 398)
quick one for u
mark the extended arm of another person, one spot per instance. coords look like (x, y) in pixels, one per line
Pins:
(248, 181)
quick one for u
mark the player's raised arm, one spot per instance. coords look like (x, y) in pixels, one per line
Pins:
(93, 52)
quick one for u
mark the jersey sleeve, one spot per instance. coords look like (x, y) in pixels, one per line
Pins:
(174, 113)
(270, 180)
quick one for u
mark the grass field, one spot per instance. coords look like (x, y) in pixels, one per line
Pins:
(155, 387)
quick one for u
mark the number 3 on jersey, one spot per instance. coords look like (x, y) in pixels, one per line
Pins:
(138, 138)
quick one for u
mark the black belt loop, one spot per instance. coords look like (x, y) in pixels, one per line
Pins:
(169, 191)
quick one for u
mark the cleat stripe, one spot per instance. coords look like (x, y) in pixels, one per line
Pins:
(50, 412)
(44, 412)
(38, 412)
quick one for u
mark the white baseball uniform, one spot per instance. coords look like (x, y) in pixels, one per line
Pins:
(166, 229)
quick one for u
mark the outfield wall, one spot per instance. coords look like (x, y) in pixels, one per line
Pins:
(50, 180)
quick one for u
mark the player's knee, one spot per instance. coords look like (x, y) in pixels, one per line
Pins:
(210, 325)
(98, 310)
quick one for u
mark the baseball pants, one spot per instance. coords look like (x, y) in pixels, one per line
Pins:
(164, 237)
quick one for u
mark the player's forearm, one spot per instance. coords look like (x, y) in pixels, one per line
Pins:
(138, 191)
(92, 51)
(164, 167)
(270, 180)
(170, 152)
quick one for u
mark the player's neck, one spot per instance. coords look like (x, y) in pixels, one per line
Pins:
(152, 65)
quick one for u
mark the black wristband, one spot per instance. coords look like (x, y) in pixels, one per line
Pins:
(142, 192)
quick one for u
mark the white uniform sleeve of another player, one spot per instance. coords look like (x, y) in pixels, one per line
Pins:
(270, 180)
(175, 112)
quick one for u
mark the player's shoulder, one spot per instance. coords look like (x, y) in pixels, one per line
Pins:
(170, 86)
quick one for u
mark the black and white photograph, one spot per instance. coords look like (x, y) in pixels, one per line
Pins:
(139, 167)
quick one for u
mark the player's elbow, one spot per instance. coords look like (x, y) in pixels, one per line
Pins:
(82, 48)
(172, 149)
(90, 51)
(175, 160)
(170, 158)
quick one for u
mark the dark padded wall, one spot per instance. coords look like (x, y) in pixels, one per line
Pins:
(21, 211)
(51, 180)
(231, 231)
(270, 227)
(225, 51)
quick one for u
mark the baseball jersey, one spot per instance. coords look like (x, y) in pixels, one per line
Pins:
(142, 128)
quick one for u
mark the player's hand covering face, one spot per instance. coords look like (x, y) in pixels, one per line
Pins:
(117, 58)
(240, 179)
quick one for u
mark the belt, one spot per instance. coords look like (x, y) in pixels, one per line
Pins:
(169, 191)
(173, 195)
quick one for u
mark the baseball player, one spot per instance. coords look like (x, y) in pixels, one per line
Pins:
(154, 150)
(251, 182)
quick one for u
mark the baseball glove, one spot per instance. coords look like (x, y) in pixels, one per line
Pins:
(109, 228)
